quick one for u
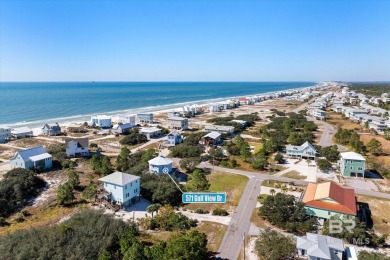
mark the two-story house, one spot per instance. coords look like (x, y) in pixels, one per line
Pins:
(305, 150)
(122, 188)
(5, 133)
(352, 164)
(320, 247)
(51, 129)
(178, 123)
(145, 118)
(77, 147)
(101, 121)
(160, 164)
(172, 139)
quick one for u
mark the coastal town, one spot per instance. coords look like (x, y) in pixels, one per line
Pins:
(305, 168)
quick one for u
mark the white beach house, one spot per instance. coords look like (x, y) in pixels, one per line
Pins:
(122, 188)
(5, 133)
(102, 121)
(77, 147)
(21, 132)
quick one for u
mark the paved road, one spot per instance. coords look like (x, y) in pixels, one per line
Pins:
(240, 222)
(328, 132)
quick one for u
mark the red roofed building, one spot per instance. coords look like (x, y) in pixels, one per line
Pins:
(324, 200)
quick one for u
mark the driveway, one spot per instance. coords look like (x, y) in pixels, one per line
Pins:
(328, 132)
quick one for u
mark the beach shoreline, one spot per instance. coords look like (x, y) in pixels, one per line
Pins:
(156, 110)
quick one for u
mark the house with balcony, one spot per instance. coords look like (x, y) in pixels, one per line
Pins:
(160, 165)
(145, 118)
(5, 133)
(178, 123)
(324, 200)
(305, 150)
(77, 147)
(222, 129)
(21, 132)
(101, 121)
(211, 139)
(51, 129)
(352, 164)
(317, 113)
(172, 139)
(32, 158)
(150, 132)
(122, 188)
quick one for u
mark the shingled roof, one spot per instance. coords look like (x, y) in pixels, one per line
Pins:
(316, 196)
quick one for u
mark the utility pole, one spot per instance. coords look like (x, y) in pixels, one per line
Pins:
(243, 238)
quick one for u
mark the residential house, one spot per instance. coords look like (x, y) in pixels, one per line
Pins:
(305, 150)
(223, 129)
(160, 164)
(145, 118)
(21, 132)
(77, 147)
(5, 133)
(317, 113)
(211, 139)
(150, 132)
(31, 158)
(178, 123)
(101, 121)
(320, 247)
(74, 128)
(352, 112)
(51, 129)
(176, 113)
(122, 128)
(125, 119)
(324, 200)
(214, 108)
(352, 164)
(172, 139)
(122, 188)
(378, 125)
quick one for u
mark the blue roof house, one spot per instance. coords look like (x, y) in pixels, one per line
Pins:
(32, 158)
(122, 188)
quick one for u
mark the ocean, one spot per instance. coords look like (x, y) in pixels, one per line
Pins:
(35, 103)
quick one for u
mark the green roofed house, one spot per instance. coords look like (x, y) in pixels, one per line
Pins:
(352, 164)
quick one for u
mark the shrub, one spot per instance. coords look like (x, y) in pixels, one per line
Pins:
(201, 211)
(220, 212)
(3, 222)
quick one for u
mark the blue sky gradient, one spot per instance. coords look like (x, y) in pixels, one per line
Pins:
(84, 40)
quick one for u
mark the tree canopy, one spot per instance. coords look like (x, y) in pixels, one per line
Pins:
(275, 246)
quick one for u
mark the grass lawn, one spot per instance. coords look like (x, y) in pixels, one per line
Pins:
(214, 232)
(257, 220)
(294, 175)
(154, 237)
(380, 209)
(257, 146)
(262, 197)
(232, 184)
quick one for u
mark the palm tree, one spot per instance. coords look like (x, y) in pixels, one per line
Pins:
(272, 191)
(153, 208)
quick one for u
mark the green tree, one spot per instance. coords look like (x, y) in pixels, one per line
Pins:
(135, 252)
(106, 166)
(279, 158)
(197, 181)
(274, 246)
(323, 165)
(153, 208)
(189, 164)
(122, 161)
(260, 163)
(91, 191)
(193, 245)
(245, 151)
(73, 179)
(364, 255)
(65, 194)
(105, 255)
(375, 147)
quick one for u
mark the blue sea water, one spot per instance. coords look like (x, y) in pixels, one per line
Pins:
(32, 103)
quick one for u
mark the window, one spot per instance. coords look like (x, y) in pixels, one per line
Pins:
(114, 186)
(360, 168)
(351, 168)
(105, 184)
(131, 184)
(125, 187)
(328, 213)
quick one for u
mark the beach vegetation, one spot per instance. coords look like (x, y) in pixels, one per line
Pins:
(133, 138)
(285, 212)
(101, 164)
(65, 194)
(323, 164)
(160, 189)
(190, 164)
(197, 181)
(274, 246)
(186, 151)
(17, 188)
(193, 138)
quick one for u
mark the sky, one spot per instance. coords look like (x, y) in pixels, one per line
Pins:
(216, 40)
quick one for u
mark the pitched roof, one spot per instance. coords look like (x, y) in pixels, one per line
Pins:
(160, 160)
(26, 154)
(316, 193)
(83, 142)
(219, 128)
(119, 178)
(319, 245)
(40, 157)
(213, 135)
(300, 147)
(352, 156)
